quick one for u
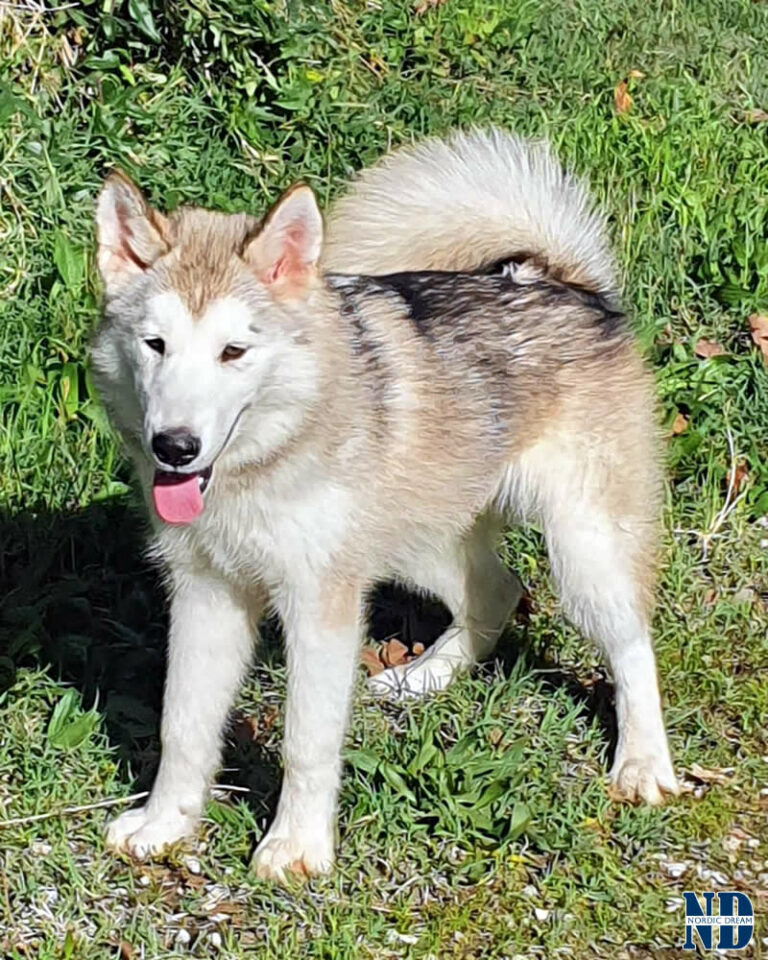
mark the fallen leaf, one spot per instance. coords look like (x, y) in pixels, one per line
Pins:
(525, 608)
(495, 736)
(622, 101)
(680, 424)
(423, 5)
(706, 775)
(394, 653)
(249, 729)
(758, 324)
(636, 74)
(755, 116)
(371, 661)
(737, 476)
(194, 880)
(705, 349)
(126, 951)
(710, 596)
(230, 907)
(418, 649)
(246, 729)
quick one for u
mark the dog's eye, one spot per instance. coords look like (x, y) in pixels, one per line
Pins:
(156, 344)
(231, 352)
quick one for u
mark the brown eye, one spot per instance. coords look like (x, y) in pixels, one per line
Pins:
(156, 344)
(231, 352)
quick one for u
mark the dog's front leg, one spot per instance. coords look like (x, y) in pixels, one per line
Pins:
(209, 648)
(322, 636)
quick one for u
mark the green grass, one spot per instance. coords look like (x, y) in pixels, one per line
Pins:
(463, 816)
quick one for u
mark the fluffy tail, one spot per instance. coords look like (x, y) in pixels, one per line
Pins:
(469, 201)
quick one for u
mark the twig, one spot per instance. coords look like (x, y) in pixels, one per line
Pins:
(728, 505)
(68, 811)
(101, 805)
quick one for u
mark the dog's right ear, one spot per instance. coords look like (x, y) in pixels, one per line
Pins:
(131, 234)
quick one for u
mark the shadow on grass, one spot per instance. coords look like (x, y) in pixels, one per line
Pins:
(78, 597)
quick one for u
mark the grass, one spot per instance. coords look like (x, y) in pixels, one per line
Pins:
(476, 824)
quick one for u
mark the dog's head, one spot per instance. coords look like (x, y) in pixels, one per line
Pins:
(204, 356)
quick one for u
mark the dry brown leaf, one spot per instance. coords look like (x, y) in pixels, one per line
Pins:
(741, 834)
(249, 729)
(680, 424)
(126, 950)
(418, 649)
(755, 116)
(758, 324)
(525, 608)
(371, 660)
(706, 775)
(495, 736)
(622, 101)
(710, 596)
(423, 5)
(737, 476)
(636, 74)
(246, 729)
(229, 907)
(705, 349)
(394, 653)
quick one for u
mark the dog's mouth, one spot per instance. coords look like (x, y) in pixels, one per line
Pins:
(178, 497)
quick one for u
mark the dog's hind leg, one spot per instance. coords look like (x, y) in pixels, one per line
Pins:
(481, 594)
(597, 508)
(209, 647)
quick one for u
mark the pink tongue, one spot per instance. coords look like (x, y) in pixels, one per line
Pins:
(178, 502)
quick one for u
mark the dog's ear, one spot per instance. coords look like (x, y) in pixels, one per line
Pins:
(285, 251)
(131, 234)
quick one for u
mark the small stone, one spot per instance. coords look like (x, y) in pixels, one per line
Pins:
(215, 939)
(541, 913)
(745, 595)
(144, 880)
(192, 864)
(530, 891)
(675, 869)
(183, 937)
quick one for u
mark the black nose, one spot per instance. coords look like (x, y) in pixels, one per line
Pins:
(175, 447)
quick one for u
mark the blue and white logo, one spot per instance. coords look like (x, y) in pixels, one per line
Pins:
(730, 929)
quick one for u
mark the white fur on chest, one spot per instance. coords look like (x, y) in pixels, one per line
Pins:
(249, 535)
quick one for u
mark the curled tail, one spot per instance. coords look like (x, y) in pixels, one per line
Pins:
(467, 202)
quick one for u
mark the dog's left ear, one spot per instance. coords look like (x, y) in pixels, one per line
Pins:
(131, 234)
(285, 252)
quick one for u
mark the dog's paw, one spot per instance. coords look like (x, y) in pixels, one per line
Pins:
(645, 779)
(277, 857)
(142, 834)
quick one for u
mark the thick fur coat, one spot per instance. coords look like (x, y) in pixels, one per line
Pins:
(309, 415)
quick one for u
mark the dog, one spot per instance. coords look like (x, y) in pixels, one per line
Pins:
(309, 414)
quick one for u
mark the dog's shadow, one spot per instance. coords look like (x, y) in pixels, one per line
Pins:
(78, 598)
